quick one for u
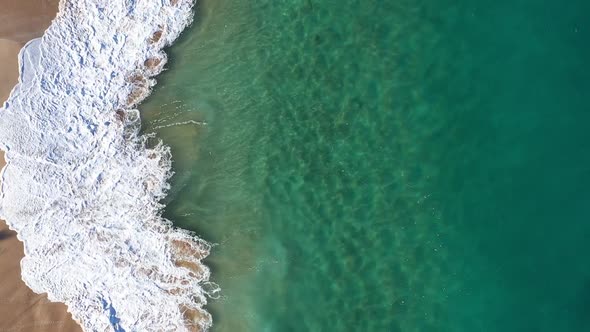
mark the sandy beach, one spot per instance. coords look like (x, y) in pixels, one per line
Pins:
(20, 308)
(8, 66)
(23, 20)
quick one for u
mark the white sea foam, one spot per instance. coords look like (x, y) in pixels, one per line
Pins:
(82, 186)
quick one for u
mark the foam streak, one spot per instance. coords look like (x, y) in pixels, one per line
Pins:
(82, 187)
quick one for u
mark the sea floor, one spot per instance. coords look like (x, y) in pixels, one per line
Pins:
(391, 166)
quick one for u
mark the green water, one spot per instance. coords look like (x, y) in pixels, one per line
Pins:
(401, 165)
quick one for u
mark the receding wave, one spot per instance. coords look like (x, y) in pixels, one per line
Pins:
(82, 186)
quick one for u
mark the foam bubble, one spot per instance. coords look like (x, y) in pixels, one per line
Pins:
(82, 187)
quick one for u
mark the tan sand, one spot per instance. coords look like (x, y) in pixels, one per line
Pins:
(8, 66)
(21, 310)
(20, 21)
(23, 20)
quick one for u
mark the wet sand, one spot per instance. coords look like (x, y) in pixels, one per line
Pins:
(8, 66)
(23, 20)
(20, 308)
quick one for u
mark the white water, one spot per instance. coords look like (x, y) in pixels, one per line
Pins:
(82, 187)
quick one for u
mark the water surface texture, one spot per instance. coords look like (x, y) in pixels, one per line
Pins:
(385, 166)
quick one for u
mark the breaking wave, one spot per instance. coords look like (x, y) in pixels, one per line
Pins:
(83, 187)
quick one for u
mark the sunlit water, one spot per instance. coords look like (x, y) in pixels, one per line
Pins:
(385, 166)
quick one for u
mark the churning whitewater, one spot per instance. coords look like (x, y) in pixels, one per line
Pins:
(82, 187)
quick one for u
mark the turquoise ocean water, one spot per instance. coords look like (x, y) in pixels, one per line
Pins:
(385, 165)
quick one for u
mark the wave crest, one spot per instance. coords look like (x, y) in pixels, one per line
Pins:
(82, 187)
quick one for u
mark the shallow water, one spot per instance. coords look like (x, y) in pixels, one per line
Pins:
(406, 166)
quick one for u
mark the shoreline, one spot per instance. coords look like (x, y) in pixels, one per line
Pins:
(21, 308)
(81, 225)
(23, 20)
